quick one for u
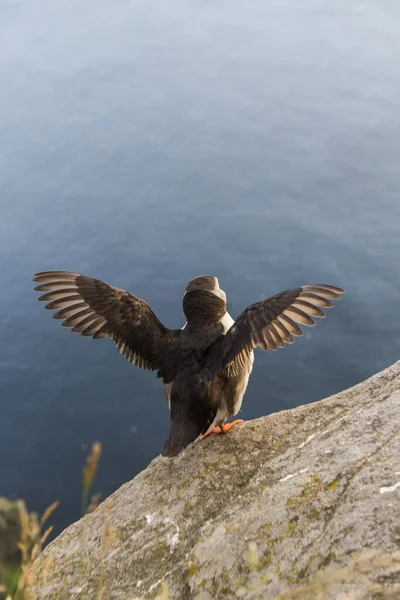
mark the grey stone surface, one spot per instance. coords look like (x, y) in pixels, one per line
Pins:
(304, 503)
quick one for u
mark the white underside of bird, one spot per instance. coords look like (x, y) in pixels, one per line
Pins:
(223, 411)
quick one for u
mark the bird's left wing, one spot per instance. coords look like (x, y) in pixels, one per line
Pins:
(268, 324)
(94, 308)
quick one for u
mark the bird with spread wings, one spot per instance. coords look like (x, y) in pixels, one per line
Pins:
(204, 366)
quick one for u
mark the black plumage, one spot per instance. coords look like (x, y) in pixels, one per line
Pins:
(206, 365)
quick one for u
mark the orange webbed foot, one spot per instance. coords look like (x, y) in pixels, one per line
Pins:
(227, 426)
(222, 428)
(211, 431)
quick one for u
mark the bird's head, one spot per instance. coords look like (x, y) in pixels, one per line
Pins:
(204, 302)
(207, 283)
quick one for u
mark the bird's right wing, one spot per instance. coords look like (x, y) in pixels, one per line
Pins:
(268, 324)
(94, 308)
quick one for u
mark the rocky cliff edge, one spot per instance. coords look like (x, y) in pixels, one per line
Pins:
(303, 503)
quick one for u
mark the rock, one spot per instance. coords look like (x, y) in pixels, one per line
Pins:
(303, 503)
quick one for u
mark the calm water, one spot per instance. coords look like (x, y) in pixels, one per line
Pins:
(144, 143)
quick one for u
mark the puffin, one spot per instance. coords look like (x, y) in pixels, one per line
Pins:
(204, 366)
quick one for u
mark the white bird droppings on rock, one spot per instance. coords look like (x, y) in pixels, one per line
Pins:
(293, 475)
(391, 488)
(149, 519)
(307, 441)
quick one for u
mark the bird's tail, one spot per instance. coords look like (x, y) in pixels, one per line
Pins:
(190, 417)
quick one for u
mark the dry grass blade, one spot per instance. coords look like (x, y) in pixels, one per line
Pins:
(109, 540)
(48, 512)
(88, 474)
(31, 542)
(94, 502)
(45, 536)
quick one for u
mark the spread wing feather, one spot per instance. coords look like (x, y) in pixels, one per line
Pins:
(93, 308)
(268, 324)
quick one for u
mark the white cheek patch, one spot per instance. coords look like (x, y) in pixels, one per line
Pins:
(226, 322)
(220, 294)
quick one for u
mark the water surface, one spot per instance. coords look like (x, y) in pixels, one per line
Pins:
(144, 143)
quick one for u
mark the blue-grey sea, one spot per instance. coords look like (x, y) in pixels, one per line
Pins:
(147, 142)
